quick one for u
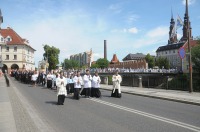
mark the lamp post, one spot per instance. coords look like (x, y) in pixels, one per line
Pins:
(189, 48)
(1, 60)
(47, 64)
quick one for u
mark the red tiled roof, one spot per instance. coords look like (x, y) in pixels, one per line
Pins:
(114, 59)
(16, 39)
(193, 43)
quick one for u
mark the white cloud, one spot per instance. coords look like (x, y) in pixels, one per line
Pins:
(133, 30)
(160, 31)
(131, 18)
(97, 56)
(116, 8)
(190, 2)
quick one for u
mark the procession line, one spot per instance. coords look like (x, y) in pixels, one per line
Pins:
(163, 119)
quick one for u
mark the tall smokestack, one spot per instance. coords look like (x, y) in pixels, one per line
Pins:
(105, 49)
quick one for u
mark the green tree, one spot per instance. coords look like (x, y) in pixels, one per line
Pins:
(102, 63)
(94, 66)
(162, 63)
(70, 64)
(150, 60)
(196, 56)
(51, 55)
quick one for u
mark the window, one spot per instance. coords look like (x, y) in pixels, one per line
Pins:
(7, 48)
(173, 51)
(15, 57)
(166, 52)
(8, 39)
(1, 39)
(15, 49)
(28, 51)
(170, 52)
(7, 57)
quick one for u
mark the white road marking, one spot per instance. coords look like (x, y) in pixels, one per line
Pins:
(163, 119)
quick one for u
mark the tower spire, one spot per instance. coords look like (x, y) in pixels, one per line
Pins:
(172, 30)
(171, 13)
(1, 18)
(186, 26)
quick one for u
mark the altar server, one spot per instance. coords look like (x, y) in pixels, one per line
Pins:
(49, 80)
(34, 78)
(77, 85)
(87, 78)
(96, 80)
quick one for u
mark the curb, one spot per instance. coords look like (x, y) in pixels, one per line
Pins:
(158, 97)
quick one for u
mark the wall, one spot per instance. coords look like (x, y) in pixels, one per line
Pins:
(130, 64)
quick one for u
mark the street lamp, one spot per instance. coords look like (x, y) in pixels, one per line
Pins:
(189, 48)
(47, 64)
(1, 21)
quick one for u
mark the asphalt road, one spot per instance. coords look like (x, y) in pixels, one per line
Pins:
(129, 114)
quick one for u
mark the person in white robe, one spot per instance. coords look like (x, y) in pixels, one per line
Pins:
(61, 89)
(53, 80)
(77, 85)
(49, 80)
(34, 78)
(96, 80)
(87, 78)
(116, 79)
(67, 83)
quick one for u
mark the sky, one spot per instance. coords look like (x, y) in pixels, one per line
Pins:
(75, 26)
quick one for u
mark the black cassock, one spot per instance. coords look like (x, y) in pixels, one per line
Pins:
(61, 99)
(116, 94)
(49, 83)
(95, 92)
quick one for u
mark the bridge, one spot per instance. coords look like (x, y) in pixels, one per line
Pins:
(149, 78)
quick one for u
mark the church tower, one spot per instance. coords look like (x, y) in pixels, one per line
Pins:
(172, 31)
(186, 26)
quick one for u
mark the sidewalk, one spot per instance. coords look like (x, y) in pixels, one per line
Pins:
(7, 122)
(173, 95)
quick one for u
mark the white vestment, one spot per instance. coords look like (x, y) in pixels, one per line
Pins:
(116, 79)
(96, 80)
(61, 87)
(87, 81)
(77, 82)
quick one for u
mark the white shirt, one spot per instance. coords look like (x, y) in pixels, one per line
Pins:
(61, 87)
(49, 77)
(96, 80)
(34, 77)
(77, 82)
(87, 81)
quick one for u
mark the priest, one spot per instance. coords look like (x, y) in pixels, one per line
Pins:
(116, 79)
(61, 89)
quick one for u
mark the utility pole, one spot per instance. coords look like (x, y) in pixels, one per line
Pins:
(189, 48)
(1, 59)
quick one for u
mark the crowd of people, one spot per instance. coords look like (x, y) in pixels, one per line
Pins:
(69, 83)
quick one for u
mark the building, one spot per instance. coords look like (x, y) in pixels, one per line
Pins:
(133, 64)
(135, 57)
(16, 53)
(84, 58)
(171, 50)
